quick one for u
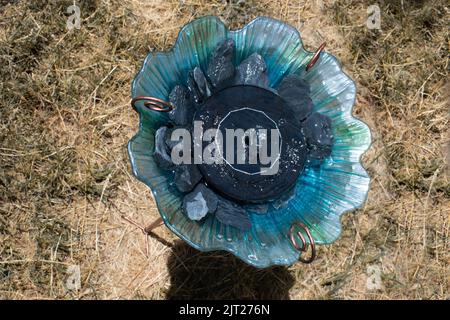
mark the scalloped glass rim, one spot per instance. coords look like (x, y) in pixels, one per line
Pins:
(323, 194)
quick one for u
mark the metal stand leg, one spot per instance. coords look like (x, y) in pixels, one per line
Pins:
(145, 230)
(155, 224)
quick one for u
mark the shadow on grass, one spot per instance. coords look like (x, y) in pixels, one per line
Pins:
(220, 275)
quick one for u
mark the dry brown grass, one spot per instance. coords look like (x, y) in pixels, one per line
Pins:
(65, 178)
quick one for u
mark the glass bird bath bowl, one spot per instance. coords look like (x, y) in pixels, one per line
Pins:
(274, 190)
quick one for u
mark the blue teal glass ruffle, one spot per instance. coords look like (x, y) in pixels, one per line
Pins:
(322, 194)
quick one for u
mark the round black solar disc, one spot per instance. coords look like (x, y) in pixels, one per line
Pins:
(258, 150)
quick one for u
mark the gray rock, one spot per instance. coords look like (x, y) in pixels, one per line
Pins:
(168, 139)
(187, 177)
(293, 82)
(198, 85)
(295, 91)
(220, 67)
(318, 134)
(183, 109)
(258, 208)
(169, 143)
(252, 71)
(230, 213)
(318, 153)
(200, 202)
(162, 152)
(283, 201)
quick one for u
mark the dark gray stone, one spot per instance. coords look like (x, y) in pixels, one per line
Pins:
(183, 109)
(252, 71)
(283, 201)
(200, 202)
(169, 143)
(230, 213)
(317, 129)
(295, 91)
(220, 67)
(168, 139)
(258, 208)
(318, 153)
(293, 82)
(187, 177)
(198, 85)
(162, 152)
(318, 134)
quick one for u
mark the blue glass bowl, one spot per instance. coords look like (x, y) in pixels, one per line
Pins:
(322, 193)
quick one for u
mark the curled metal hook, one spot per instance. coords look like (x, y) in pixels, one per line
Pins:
(304, 245)
(316, 56)
(153, 103)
